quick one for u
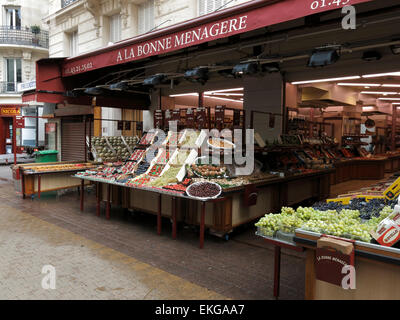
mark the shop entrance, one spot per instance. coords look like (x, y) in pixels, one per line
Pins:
(6, 135)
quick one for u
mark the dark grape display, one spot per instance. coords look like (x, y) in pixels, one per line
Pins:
(367, 210)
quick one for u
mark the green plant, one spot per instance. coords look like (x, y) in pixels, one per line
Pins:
(35, 29)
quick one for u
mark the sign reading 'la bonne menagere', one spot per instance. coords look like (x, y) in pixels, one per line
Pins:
(187, 38)
(275, 11)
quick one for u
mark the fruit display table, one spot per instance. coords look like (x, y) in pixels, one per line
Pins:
(364, 221)
(223, 215)
(36, 178)
(164, 198)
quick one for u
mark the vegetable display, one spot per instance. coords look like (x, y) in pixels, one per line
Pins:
(345, 223)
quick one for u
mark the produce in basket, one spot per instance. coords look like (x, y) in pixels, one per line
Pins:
(209, 171)
(205, 190)
(168, 177)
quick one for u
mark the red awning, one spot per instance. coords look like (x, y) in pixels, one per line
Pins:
(225, 23)
(239, 19)
(42, 97)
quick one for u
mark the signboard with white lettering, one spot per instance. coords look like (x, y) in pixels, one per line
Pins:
(26, 86)
(259, 16)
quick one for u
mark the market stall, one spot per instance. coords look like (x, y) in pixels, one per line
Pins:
(172, 164)
(36, 178)
(364, 221)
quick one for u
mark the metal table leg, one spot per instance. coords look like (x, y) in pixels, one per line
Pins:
(108, 208)
(277, 271)
(159, 220)
(202, 222)
(173, 218)
(39, 180)
(98, 199)
(23, 185)
(82, 193)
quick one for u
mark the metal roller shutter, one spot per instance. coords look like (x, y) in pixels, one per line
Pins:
(73, 140)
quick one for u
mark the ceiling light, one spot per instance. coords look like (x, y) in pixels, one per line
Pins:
(359, 84)
(227, 94)
(368, 108)
(327, 80)
(227, 73)
(184, 95)
(378, 92)
(389, 99)
(396, 103)
(94, 91)
(245, 68)
(323, 57)
(155, 80)
(224, 90)
(199, 74)
(119, 86)
(391, 85)
(395, 49)
(371, 56)
(223, 99)
(377, 75)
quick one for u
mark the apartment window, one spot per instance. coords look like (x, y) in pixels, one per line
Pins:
(146, 16)
(73, 43)
(14, 74)
(115, 28)
(208, 6)
(13, 17)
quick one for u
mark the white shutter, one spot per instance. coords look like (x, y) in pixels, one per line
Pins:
(208, 6)
(146, 17)
(115, 28)
(73, 43)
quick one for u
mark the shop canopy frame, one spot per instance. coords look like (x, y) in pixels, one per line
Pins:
(56, 76)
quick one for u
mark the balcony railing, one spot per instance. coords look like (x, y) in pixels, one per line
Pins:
(66, 3)
(8, 87)
(20, 36)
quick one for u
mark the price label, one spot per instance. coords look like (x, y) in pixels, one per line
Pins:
(393, 191)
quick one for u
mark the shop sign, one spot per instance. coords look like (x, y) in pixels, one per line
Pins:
(26, 86)
(272, 13)
(393, 191)
(332, 257)
(19, 123)
(10, 111)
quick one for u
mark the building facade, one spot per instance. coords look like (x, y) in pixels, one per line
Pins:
(23, 40)
(80, 26)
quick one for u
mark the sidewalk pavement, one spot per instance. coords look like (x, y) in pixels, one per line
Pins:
(54, 231)
(21, 158)
(84, 269)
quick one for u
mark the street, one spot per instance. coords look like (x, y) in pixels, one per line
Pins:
(124, 258)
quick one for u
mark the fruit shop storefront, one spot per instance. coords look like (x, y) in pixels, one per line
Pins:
(220, 71)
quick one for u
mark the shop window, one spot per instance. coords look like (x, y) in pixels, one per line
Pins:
(115, 28)
(13, 17)
(73, 43)
(208, 6)
(13, 74)
(146, 17)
